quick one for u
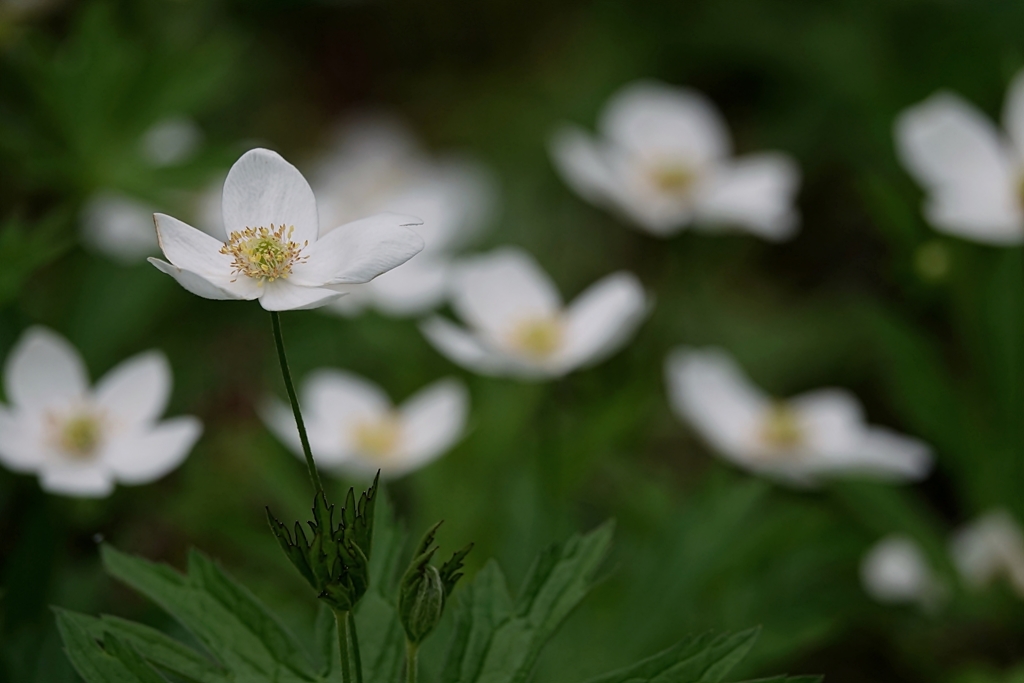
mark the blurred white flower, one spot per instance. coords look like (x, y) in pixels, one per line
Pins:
(988, 548)
(119, 227)
(80, 441)
(896, 570)
(519, 326)
(799, 440)
(663, 160)
(353, 426)
(170, 141)
(972, 171)
(376, 165)
(272, 252)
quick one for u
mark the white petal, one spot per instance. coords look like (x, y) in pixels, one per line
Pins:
(146, 455)
(602, 319)
(432, 421)
(327, 439)
(582, 165)
(359, 251)
(1013, 114)
(966, 166)
(192, 249)
(496, 291)
(658, 121)
(43, 369)
(895, 570)
(282, 295)
(80, 480)
(709, 390)
(196, 284)
(136, 391)
(413, 288)
(19, 451)
(886, 454)
(464, 349)
(263, 189)
(754, 192)
(989, 547)
(832, 421)
(343, 395)
(119, 226)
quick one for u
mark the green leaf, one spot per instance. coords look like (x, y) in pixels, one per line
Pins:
(497, 643)
(238, 629)
(116, 663)
(705, 658)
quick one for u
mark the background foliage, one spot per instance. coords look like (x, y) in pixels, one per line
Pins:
(699, 544)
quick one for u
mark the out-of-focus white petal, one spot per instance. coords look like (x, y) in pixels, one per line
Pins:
(831, 421)
(896, 570)
(262, 189)
(19, 450)
(136, 391)
(496, 291)
(601, 319)
(887, 455)
(327, 440)
(79, 480)
(966, 166)
(359, 251)
(463, 348)
(657, 121)
(709, 390)
(1013, 114)
(119, 227)
(432, 421)
(171, 141)
(415, 287)
(282, 295)
(42, 370)
(989, 547)
(339, 394)
(755, 193)
(142, 456)
(579, 160)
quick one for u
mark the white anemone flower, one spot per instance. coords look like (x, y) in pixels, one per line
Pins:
(896, 571)
(81, 440)
(376, 165)
(973, 172)
(664, 161)
(518, 325)
(989, 548)
(354, 427)
(119, 227)
(273, 249)
(799, 440)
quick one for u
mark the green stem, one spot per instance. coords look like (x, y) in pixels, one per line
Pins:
(357, 662)
(411, 665)
(342, 620)
(286, 373)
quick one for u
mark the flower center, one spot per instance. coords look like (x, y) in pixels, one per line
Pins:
(264, 254)
(674, 178)
(78, 435)
(781, 428)
(378, 437)
(538, 337)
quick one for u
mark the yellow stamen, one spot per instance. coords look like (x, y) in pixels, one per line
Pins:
(781, 427)
(538, 337)
(674, 179)
(264, 254)
(378, 438)
(79, 435)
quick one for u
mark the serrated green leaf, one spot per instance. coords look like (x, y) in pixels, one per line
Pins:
(237, 629)
(505, 651)
(706, 658)
(92, 662)
(482, 607)
(131, 659)
(156, 647)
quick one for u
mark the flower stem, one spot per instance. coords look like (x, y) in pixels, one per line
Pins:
(314, 476)
(348, 646)
(357, 662)
(411, 665)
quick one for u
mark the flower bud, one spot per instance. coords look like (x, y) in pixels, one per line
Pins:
(425, 589)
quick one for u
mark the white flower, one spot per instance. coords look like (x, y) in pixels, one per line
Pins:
(119, 227)
(797, 440)
(896, 570)
(377, 166)
(973, 172)
(990, 547)
(353, 426)
(80, 441)
(519, 326)
(664, 162)
(272, 252)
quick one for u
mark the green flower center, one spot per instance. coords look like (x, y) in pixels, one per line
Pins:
(264, 254)
(781, 427)
(80, 435)
(378, 438)
(538, 337)
(674, 179)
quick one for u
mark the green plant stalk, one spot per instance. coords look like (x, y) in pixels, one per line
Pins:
(348, 645)
(357, 660)
(314, 476)
(411, 662)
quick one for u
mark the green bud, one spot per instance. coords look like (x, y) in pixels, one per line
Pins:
(335, 560)
(425, 588)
